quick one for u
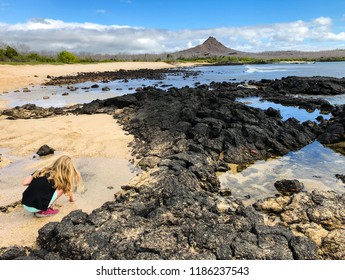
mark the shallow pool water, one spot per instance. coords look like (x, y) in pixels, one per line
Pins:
(102, 177)
(285, 111)
(314, 165)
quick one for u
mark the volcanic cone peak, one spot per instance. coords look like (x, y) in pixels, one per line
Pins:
(211, 44)
(211, 47)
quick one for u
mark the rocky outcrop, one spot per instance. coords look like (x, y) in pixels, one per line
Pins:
(31, 111)
(335, 128)
(293, 85)
(124, 75)
(319, 216)
(209, 123)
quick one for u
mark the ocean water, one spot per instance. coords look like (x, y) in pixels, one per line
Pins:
(234, 73)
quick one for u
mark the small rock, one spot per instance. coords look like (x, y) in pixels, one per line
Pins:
(340, 177)
(45, 150)
(106, 89)
(225, 192)
(148, 162)
(72, 88)
(288, 187)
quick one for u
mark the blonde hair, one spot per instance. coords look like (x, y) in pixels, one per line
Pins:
(64, 175)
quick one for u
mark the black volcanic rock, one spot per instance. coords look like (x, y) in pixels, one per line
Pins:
(288, 187)
(151, 74)
(335, 129)
(45, 150)
(309, 85)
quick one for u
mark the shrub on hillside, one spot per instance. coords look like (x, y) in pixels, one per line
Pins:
(11, 52)
(67, 57)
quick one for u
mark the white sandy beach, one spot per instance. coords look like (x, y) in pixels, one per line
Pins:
(97, 144)
(14, 77)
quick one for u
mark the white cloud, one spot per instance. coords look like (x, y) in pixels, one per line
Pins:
(323, 21)
(55, 35)
(336, 37)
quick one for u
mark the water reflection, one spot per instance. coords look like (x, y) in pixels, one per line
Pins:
(314, 165)
(332, 99)
(285, 111)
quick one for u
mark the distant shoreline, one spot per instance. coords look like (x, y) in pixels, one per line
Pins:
(16, 77)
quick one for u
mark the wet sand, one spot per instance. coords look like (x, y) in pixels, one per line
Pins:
(98, 146)
(19, 227)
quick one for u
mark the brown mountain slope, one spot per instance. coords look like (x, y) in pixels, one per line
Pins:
(213, 48)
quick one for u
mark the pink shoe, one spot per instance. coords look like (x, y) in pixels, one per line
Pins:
(46, 213)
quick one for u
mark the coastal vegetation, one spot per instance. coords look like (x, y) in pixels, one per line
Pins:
(67, 57)
(11, 55)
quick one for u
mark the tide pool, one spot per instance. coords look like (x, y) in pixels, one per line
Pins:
(285, 111)
(314, 165)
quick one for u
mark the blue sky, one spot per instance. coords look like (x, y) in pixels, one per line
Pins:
(143, 26)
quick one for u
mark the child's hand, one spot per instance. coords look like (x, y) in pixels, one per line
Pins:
(27, 180)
